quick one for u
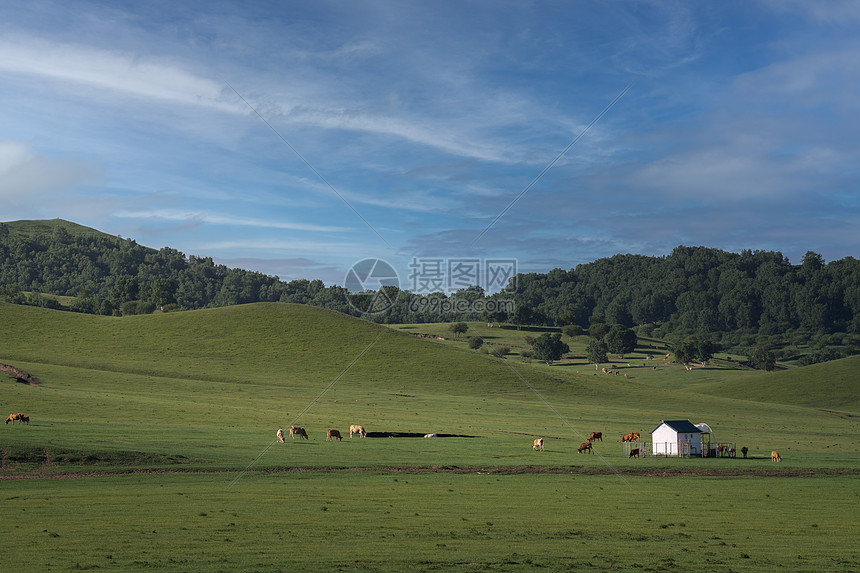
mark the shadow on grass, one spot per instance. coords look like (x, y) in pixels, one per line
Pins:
(414, 435)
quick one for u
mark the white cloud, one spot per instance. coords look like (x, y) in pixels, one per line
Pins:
(25, 174)
(125, 72)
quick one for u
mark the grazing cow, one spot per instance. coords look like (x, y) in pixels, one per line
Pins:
(13, 417)
(333, 434)
(357, 430)
(538, 445)
(732, 453)
(634, 453)
(584, 447)
(631, 437)
(595, 437)
(297, 431)
(775, 457)
(280, 435)
(721, 450)
(430, 435)
(744, 451)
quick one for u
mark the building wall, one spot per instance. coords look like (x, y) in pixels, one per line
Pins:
(664, 441)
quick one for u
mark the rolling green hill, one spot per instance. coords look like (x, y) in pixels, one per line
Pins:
(164, 426)
(31, 228)
(831, 385)
(262, 366)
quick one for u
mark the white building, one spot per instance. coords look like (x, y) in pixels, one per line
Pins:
(678, 438)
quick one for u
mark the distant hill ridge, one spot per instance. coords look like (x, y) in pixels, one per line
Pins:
(809, 311)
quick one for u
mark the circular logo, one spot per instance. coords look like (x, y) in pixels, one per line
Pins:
(366, 283)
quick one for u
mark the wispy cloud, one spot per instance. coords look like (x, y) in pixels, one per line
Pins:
(217, 219)
(129, 73)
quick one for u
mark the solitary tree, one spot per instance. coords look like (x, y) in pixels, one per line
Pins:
(705, 350)
(476, 342)
(762, 358)
(620, 340)
(572, 330)
(459, 328)
(596, 352)
(549, 347)
(685, 352)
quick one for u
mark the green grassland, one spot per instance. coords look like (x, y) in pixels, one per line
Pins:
(151, 445)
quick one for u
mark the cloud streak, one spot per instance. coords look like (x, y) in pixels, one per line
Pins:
(200, 217)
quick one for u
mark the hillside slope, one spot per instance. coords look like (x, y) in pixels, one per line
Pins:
(833, 385)
(213, 384)
(263, 343)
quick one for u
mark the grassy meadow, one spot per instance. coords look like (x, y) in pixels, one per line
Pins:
(152, 445)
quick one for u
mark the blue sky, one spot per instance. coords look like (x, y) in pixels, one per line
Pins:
(415, 124)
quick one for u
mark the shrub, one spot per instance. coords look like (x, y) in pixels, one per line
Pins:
(572, 330)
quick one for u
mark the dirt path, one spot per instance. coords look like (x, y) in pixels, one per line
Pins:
(19, 375)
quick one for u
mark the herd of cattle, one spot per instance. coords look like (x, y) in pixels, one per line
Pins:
(538, 445)
(331, 434)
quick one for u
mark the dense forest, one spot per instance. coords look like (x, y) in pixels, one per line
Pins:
(736, 299)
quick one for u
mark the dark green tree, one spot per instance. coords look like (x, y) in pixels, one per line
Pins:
(458, 328)
(522, 316)
(475, 342)
(762, 358)
(549, 347)
(620, 340)
(598, 330)
(572, 330)
(705, 350)
(686, 351)
(596, 352)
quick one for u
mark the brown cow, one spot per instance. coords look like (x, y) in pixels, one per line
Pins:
(775, 457)
(357, 430)
(595, 437)
(631, 437)
(634, 453)
(744, 451)
(297, 431)
(25, 420)
(584, 446)
(280, 435)
(13, 417)
(538, 445)
(333, 434)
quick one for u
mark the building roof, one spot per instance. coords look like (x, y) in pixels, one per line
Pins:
(680, 426)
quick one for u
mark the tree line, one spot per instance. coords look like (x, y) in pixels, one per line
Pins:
(738, 299)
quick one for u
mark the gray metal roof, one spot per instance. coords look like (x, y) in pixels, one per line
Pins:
(680, 426)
